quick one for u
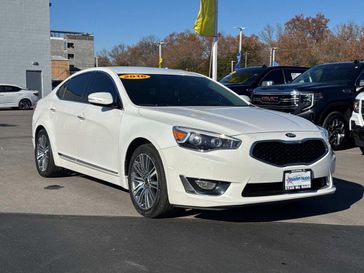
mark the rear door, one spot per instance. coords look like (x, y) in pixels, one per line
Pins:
(10, 95)
(101, 127)
(68, 117)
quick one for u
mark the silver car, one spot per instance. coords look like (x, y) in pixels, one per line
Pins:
(16, 96)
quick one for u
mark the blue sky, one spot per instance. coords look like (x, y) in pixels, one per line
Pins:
(127, 21)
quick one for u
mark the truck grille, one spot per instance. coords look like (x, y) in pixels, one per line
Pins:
(277, 101)
(284, 153)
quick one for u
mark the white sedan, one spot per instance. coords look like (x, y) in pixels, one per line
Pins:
(16, 96)
(178, 139)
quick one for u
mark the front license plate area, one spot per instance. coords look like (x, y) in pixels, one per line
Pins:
(297, 180)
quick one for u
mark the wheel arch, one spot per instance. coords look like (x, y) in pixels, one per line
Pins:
(344, 108)
(130, 150)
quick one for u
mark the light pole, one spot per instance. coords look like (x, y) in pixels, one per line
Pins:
(160, 54)
(240, 44)
(273, 55)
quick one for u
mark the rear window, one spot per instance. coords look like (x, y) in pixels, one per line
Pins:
(177, 90)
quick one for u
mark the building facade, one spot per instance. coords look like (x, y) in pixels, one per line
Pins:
(77, 47)
(24, 44)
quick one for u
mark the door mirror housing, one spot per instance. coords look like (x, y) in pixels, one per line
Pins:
(246, 98)
(100, 98)
(267, 83)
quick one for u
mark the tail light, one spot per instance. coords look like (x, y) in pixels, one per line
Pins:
(36, 93)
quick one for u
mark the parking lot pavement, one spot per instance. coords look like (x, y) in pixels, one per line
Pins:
(79, 224)
(24, 191)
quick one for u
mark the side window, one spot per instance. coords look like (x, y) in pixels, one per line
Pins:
(15, 89)
(291, 74)
(274, 77)
(76, 87)
(60, 91)
(2, 88)
(101, 82)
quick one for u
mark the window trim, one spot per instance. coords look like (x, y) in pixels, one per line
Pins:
(119, 103)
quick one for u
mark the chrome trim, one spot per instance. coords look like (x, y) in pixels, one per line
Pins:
(87, 164)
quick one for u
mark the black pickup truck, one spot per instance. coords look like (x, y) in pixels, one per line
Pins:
(243, 80)
(323, 94)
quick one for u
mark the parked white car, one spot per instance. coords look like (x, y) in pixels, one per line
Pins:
(175, 138)
(16, 96)
(357, 121)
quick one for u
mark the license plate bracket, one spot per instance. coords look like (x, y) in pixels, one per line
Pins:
(294, 180)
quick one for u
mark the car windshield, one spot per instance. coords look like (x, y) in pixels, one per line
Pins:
(245, 76)
(346, 72)
(177, 90)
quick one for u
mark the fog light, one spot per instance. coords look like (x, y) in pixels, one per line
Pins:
(206, 185)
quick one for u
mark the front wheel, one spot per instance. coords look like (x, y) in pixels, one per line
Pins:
(362, 150)
(147, 182)
(338, 130)
(44, 157)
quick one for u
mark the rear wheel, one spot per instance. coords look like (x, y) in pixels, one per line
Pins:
(147, 182)
(338, 129)
(25, 104)
(44, 157)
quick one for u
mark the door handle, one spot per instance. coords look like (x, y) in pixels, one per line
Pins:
(81, 117)
(53, 109)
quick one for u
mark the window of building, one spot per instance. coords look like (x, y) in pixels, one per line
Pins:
(71, 56)
(70, 45)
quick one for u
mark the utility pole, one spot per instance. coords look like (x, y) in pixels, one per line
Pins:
(232, 66)
(246, 59)
(160, 54)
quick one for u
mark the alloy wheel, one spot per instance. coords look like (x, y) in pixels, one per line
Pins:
(336, 131)
(144, 181)
(43, 152)
(24, 105)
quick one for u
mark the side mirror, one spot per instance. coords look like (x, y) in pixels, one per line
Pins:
(101, 98)
(267, 83)
(246, 98)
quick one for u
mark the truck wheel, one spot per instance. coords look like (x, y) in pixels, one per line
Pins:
(338, 129)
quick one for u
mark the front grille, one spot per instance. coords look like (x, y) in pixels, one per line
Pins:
(284, 153)
(266, 189)
(277, 101)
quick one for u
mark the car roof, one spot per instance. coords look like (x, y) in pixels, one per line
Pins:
(149, 70)
(9, 84)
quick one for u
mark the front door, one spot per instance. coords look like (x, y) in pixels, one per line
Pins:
(101, 128)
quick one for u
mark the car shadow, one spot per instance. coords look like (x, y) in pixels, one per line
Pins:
(347, 193)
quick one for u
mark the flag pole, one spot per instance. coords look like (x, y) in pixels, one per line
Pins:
(214, 45)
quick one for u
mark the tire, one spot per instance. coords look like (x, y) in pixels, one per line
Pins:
(25, 104)
(44, 157)
(147, 182)
(338, 128)
(362, 150)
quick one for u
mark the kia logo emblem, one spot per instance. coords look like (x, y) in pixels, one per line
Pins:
(290, 135)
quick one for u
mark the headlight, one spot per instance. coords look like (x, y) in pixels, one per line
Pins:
(203, 140)
(356, 106)
(307, 100)
(324, 133)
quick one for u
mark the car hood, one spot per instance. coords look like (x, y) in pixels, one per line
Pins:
(297, 86)
(228, 120)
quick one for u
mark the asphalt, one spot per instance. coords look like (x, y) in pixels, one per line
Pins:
(79, 224)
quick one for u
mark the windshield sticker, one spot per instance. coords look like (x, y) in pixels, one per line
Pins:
(134, 76)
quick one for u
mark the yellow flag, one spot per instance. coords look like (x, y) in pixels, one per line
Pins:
(205, 24)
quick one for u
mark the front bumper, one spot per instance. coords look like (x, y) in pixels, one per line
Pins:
(239, 169)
